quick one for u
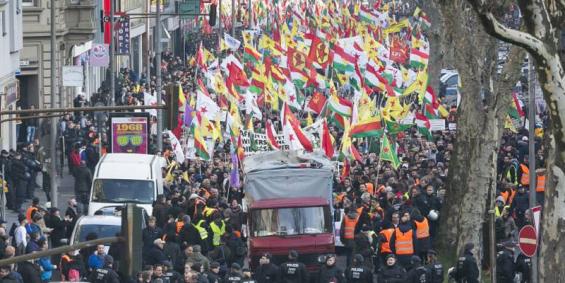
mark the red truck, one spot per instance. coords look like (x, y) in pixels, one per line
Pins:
(288, 200)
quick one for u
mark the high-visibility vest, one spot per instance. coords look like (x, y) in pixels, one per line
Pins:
(540, 184)
(370, 188)
(208, 211)
(422, 229)
(385, 246)
(404, 244)
(29, 213)
(218, 232)
(203, 232)
(525, 179)
(349, 226)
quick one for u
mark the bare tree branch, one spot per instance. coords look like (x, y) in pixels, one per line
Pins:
(495, 28)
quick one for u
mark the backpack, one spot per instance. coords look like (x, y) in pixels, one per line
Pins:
(458, 273)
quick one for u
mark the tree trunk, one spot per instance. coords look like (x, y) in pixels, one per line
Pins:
(552, 245)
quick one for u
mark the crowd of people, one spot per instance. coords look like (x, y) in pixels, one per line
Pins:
(390, 215)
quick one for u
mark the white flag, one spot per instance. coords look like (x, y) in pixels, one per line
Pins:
(231, 42)
(251, 106)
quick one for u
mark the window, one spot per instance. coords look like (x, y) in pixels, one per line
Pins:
(291, 221)
(28, 3)
(121, 191)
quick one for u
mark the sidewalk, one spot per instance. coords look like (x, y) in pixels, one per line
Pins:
(65, 191)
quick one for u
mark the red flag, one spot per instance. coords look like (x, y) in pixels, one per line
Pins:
(271, 135)
(327, 141)
(317, 102)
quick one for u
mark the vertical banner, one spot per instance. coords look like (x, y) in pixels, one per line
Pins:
(129, 133)
(123, 36)
(100, 55)
(106, 21)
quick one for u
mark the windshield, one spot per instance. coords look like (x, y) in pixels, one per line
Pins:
(291, 221)
(96, 231)
(120, 191)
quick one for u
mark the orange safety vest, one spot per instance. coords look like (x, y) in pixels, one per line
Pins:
(422, 229)
(385, 246)
(525, 179)
(29, 213)
(404, 244)
(370, 188)
(349, 226)
(540, 184)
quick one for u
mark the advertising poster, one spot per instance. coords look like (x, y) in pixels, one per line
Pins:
(129, 134)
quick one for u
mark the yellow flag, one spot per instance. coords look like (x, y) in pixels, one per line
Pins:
(508, 124)
(309, 120)
(247, 37)
(223, 45)
(397, 27)
(217, 131)
(182, 98)
(442, 111)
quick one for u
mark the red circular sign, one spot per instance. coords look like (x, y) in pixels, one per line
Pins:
(528, 240)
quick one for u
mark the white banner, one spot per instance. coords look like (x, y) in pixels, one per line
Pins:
(437, 124)
(73, 76)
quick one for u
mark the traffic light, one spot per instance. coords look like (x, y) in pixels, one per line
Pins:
(132, 218)
(212, 15)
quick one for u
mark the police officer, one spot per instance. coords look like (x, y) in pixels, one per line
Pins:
(267, 271)
(105, 274)
(505, 267)
(234, 276)
(357, 273)
(418, 273)
(293, 271)
(467, 270)
(524, 267)
(248, 277)
(435, 267)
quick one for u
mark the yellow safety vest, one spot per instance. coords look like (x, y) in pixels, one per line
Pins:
(203, 232)
(218, 232)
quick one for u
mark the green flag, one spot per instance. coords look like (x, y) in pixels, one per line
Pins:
(389, 153)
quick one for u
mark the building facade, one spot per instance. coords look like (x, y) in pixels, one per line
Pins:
(11, 44)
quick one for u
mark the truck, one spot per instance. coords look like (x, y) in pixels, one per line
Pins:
(288, 201)
(121, 178)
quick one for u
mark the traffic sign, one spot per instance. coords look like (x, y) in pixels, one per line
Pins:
(189, 9)
(528, 240)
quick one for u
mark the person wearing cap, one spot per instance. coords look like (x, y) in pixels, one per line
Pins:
(234, 275)
(170, 273)
(505, 266)
(391, 272)
(106, 274)
(213, 274)
(357, 272)
(435, 267)
(467, 269)
(267, 271)
(293, 271)
(418, 273)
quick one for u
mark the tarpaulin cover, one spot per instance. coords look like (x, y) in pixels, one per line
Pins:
(282, 175)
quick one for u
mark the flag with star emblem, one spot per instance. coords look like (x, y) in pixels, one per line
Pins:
(271, 135)
(319, 53)
(205, 104)
(388, 152)
(317, 102)
(199, 142)
(326, 141)
(293, 133)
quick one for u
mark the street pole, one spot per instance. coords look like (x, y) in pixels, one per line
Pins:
(233, 18)
(250, 11)
(112, 55)
(220, 29)
(531, 152)
(53, 136)
(158, 75)
(492, 242)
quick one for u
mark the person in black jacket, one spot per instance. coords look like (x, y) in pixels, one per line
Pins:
(391, 272)
(524, 267)
(30, 271)
(83, 182)
(435, 267)
(267, 271)
(519, 206)
(20, 177)
(467, 270)
(149, 234)
(189, 235)
(329, 272)
(234, 276)
(105, 274)
(156, 254)
(58, 225)
(418, 273)
(357, 273)
(293, 271)
(505, 267)
(213, 274)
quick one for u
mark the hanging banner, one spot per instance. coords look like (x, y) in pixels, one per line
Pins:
(100, 55)
(123, 36)
(129, 132)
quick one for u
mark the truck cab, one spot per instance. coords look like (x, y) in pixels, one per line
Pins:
(288, 199)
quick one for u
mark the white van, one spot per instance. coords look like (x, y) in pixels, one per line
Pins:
(122, 178)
